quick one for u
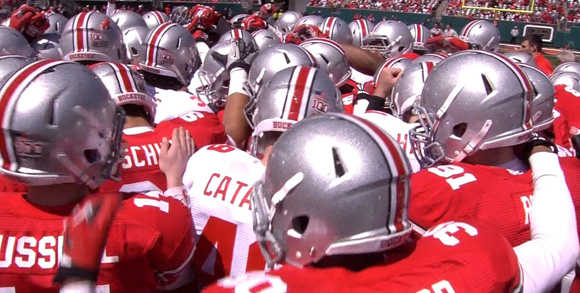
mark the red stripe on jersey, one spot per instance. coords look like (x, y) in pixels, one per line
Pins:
(125, 77)
(7, 96)
(153, 43)
(299, 90)
(78, 31)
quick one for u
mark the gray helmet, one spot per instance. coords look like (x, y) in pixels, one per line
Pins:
(92, 36)
(360, 28)
(337, 30)
(265, 38)
(48, 47)
(409, 87)
(57, 23)
(543, 103)
(180, 15)
(13, 43)
(134, 38)
(287, 21)
(274, 59)
(396, 62)
(391, 38)
(315, 20)
(420, 33)
(521, 57)
(11, 63)
(482, 33)
(155, 18)
(213, 75)
(237, 19)
(237, 33)
(568, 67)
(59, 131)
(126, 86)
(319, 179)
(128, 19)
(329, 57)
(473, 100)
(567, 78)
(293, 94)
(430, 57)
(170, 50)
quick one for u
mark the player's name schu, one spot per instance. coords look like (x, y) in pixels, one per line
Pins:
(141, 156)
(229, 190)
(35, 252)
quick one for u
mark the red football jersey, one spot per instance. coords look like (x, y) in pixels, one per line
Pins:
(453, 257)
(205, 128)
(9, 185)
(491, 194)
(150, 245)
(567, 123)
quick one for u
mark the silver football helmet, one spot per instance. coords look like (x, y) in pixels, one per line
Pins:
(237, 34)
(391, 38)
(473, 100)
(409, 87)
(568, 67)
(237, 19)
(360, 28)
(521, 57)
(287, 21)
(430, 57)
(265, 38)
(11, 63)
(420, 34)
(337, 30)
(134, 38)
(315, 20)
(13, 42)
(397, 62)
(170, 50)
(125, 86)
(57, 23)
(128, 19)
(93, 37)
(48, 47)
(330, 58)
(180, 15)
(155, 18)
(274, 59)
(543, 103)
(317, 179)
(213, 75)
(481, 33)
(293, 94)
(567, 78)
(57, 131)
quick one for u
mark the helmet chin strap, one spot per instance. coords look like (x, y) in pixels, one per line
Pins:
(474, 143)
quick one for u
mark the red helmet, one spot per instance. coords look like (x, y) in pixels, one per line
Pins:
(253, 23)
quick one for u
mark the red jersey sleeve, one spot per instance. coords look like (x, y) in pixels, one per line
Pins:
(171, 252)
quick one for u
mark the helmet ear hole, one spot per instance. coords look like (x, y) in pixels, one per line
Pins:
(459, 129)
(91, 155)
(300, 224)
(135, 51)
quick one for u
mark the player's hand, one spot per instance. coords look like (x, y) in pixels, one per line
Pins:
(174, 156)
(385, 80)
(85, 236)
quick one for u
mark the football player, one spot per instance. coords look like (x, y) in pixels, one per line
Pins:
(62, 139)
(221, 190)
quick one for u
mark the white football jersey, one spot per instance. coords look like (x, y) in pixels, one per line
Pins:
(174, 104)
(398, 129)
(219, 180)
(359, 77)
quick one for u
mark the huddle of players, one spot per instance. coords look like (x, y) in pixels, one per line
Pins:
(289, 145)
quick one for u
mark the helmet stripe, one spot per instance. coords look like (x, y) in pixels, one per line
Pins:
(81, 32)
(295, 106)
(153, 43)
(363, 27)
(418, 32)
(124, 78)
(469, 27)
(398, 167)
(9, 94)
(158, 17)
(236, 34)
(328, 26)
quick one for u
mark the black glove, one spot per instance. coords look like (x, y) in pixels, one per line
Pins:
(576, 145)
(537, 140)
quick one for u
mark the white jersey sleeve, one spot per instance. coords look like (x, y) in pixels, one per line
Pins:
(219, 180)
(359, 77)
(398, 129)
(174, 104)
